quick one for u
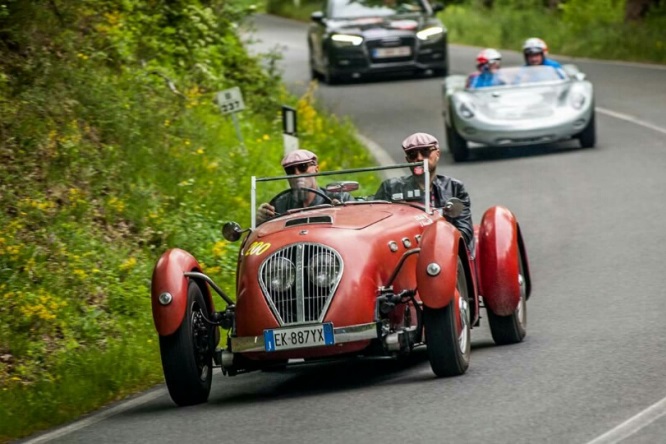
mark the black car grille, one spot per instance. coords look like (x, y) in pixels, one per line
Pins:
(287, 278)
(374, 45)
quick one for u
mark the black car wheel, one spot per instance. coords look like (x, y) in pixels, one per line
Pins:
(588, 137)
(187, 354)
(511, 329)
(448, 332)
(457, 145)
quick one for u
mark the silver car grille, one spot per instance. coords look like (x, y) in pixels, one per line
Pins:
(288, 279)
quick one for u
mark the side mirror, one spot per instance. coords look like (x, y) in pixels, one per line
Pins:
(317, 16)
(345, 186)
(436, 7)
(231, 231)
(453, 207)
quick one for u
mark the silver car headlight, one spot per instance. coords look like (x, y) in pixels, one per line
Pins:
(323, 269)
(577, 100)
(344, 40)
(430, 34)
(466, 110)
(280, 274)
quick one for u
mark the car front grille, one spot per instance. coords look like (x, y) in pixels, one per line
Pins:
(288, 278)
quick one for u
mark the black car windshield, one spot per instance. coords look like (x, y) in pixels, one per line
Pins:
(346, 9)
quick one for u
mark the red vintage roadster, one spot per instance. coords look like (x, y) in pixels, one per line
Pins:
(351, 279)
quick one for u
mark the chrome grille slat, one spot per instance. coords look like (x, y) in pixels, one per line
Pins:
(305, 301)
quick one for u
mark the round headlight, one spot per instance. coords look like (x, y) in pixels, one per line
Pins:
(323, 270)
(279, 274)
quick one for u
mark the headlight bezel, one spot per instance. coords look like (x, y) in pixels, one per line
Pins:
(431, 34)
(346, 40)
(280, 275)
(323, 276)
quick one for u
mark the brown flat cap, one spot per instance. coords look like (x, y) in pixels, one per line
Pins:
(297, 157)
(419, 140)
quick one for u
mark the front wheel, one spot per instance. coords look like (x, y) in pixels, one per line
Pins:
(448, 332)
(187, 354)
(511, 329)
(588, 137)
(457, 145)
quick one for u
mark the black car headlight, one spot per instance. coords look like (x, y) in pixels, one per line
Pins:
(346, 40)
(431, 34)
(323, 270)
(280, 274)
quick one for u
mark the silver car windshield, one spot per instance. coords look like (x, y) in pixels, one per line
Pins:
(346, 9)
(528, 75)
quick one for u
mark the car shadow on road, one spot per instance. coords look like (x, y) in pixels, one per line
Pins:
(485, 153)
(312, 379)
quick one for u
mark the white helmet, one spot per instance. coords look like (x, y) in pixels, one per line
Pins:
(488, 56)
(535, 45)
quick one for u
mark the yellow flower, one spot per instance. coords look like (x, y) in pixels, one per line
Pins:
(128, 264)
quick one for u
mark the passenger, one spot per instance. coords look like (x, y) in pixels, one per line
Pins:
(295, 164)
(487, 64)
(417, 147)
(535, 51)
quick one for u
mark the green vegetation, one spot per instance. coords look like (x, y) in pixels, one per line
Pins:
(581, 28)
(112, 151)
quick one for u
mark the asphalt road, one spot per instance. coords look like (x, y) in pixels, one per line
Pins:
(595, 352)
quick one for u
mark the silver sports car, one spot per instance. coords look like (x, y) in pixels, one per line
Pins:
(526, 105)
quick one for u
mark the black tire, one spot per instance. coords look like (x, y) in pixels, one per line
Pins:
(449, 351)
(187, 354)
(511, 329)
(457, 145)
(588, 137)
(314, 75)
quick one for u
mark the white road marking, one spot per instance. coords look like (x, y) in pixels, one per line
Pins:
(633, 424)
(97, 417)
(631, 119)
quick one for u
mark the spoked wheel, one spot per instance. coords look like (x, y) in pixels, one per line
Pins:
(187, 354)
(511, 329)
(448, 332)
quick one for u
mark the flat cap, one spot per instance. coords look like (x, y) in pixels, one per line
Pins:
(297, 157)
(419, 140)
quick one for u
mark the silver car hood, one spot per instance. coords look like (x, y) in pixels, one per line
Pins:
(518, 104)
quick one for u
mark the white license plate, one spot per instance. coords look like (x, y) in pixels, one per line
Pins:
(398, 51)
(299, 337)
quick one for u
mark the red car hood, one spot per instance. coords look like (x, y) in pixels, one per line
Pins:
(334, 217)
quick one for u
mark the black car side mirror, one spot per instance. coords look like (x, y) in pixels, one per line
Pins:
(231, 231)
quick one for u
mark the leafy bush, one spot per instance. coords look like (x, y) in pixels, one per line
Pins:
(112, 150)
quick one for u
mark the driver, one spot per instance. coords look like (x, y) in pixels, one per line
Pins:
(417, 147)
(295, 164)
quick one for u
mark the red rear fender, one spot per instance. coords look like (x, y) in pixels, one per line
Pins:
(439, 247)
(168, 278)
(497, 257)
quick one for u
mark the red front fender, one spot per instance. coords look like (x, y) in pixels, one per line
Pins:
(168, 277)
(439, 245)
(498, 261)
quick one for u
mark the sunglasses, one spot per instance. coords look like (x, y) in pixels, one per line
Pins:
(414, 154)
(301, 168)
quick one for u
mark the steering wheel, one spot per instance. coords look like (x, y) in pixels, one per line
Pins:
(289, 190)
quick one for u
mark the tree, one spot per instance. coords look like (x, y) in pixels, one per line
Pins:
(636, 10)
